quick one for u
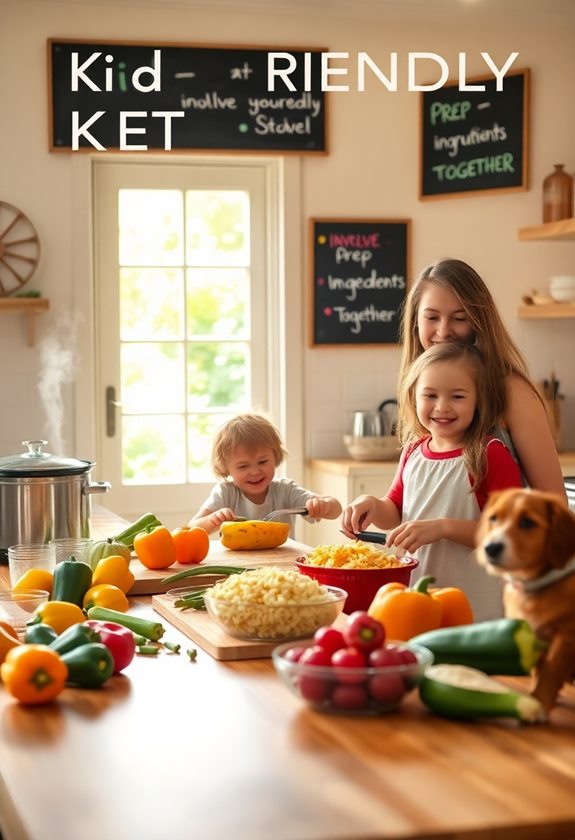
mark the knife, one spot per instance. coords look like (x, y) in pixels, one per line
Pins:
(284, 512)
(369, 536)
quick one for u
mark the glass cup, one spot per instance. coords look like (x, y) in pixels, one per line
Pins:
(78, 547)
(18, 606)
(22, 558)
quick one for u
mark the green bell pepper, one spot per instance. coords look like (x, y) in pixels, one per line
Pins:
(89, 666)
(72, 580)
(75, 636)
(40, 634)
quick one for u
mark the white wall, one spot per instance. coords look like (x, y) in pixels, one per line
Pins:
(371, 171)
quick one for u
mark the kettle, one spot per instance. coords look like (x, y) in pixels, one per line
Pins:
(376, 423)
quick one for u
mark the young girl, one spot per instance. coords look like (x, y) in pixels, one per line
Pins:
(245, 455)
(450, 303)
(449, 465)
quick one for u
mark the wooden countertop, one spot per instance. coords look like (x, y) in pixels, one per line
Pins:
(215, 750)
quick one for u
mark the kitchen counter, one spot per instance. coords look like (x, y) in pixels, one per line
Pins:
(214, 750)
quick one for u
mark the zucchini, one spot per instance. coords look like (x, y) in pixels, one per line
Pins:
(145, 522)
(457, 691)
(502, 646)
(72, 580)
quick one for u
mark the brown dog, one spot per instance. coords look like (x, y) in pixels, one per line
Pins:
(528, 538)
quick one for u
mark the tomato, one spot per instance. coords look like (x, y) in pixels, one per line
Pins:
(312, 688)
(363, 632)
(192, 544)
(294, 654)
(350, 697)
(385, 657)
(387, 688)
(329, 639)
(351, 659)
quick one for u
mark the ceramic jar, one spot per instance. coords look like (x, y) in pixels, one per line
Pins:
(557, 195)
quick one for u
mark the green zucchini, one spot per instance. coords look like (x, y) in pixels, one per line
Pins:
(457, 691)
(71, 581)
(148, 520)
(502, 646)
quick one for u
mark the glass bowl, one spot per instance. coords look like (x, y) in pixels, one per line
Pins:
(357, 691)
(276, 623)
(361, 585)
(17, 606)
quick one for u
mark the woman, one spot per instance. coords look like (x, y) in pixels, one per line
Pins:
(449, 302)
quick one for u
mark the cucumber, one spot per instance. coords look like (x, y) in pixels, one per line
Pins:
(458, 691)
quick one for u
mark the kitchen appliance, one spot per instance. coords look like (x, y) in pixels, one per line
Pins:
(375, 423)
(44, 497)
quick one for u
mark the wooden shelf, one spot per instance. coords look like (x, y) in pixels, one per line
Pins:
(551, 310)
(565, 229)
(29, 306)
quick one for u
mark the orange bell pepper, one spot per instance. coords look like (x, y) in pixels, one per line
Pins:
(113, 570)
(406, 612)
(155, 548)
(106, 595)
(33, 674)
(455, 604)
(192, 544)
(8, 639)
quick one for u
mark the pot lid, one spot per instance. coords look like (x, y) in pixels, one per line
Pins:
(35, 462)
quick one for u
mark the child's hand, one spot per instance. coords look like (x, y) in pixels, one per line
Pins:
(222, 515)
(358, 515)
(412, 535)
(320, 507)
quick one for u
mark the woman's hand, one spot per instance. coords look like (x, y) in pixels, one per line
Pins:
(412, 535)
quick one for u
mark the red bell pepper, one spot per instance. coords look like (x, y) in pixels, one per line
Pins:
(119, 641)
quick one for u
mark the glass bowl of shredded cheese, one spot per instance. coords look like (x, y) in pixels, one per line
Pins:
(358, 567)
(272, 604)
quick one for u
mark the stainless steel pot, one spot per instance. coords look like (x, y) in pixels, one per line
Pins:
(44, 497)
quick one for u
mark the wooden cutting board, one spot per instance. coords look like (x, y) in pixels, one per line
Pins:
(149, 581)
(205, 631)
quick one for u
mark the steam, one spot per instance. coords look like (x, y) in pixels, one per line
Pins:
(58, 365)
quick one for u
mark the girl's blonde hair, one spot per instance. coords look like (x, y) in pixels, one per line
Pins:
(488, 406)
(501, 356)
(251, 431)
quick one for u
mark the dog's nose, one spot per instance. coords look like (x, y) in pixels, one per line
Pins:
(494, 550)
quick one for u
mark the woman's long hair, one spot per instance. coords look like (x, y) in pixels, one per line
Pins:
(501, 356)
(489, 403)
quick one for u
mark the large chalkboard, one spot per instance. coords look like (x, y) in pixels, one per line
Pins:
(360, 271)
(473, 141)
(193, 98)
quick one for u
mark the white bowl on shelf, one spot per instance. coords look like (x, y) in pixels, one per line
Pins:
(562, 288)
(372, 448)
(563, 295)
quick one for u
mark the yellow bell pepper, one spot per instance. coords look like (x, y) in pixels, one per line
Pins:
(106, 595)
(58, 614)
(114, 570)
(36, 579)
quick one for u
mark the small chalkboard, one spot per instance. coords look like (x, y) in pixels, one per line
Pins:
(142, 96)
(360, 270)
(477, 140)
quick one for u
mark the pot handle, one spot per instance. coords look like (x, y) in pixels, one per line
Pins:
(386, 402)
(97, 487)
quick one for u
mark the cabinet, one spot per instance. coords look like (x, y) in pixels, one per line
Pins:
(345, 479)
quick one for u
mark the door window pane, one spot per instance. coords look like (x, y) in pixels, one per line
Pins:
(151, 227)
(151, 304)
(217, 375)
(201, 431)
(217, 227)
(218, 302)
(152, 378)
(152, 450)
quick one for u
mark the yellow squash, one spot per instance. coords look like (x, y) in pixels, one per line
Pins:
(253, 534)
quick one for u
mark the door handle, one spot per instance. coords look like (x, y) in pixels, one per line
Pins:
(111, 405)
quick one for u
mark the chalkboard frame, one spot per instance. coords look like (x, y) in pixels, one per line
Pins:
(523, 183)
(405, 224)
(321, 150)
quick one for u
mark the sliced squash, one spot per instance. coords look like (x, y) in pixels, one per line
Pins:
(253, 534)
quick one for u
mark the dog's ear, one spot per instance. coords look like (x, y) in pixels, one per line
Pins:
(561, 533)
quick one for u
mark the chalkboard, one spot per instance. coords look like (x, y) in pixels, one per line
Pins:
(474, 141)
(141, 96)
(360, 270)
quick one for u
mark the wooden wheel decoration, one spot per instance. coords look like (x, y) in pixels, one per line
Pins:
(19, 248)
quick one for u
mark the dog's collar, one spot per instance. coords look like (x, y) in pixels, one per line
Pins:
(545, 580)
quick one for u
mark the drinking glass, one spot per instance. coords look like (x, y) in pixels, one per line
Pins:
(78, 547)
(17, 606)
(23, 557)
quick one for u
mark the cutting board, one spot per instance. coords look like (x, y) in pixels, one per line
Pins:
(149, 581)
(205, 631)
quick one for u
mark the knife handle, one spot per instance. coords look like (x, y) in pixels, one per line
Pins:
(371, 536)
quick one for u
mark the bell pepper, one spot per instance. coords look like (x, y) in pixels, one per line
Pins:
(128, 535)
(8, 640)
(107, 548)
(71, 581)
(456, 608)
(119, 640)
(33, 674)
(36, 579)
(40, 634)
(58, 614)
(501, 646)
(406, 612)
(114, 570)
(89, 666)
(192, 544)
(155, 548)
(73, 637)
(106, 595)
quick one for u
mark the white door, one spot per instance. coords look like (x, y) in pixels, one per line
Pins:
(182, 310)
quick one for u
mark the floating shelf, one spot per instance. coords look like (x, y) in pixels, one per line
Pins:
(551, 310)
(565, 229)
(30, 307)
